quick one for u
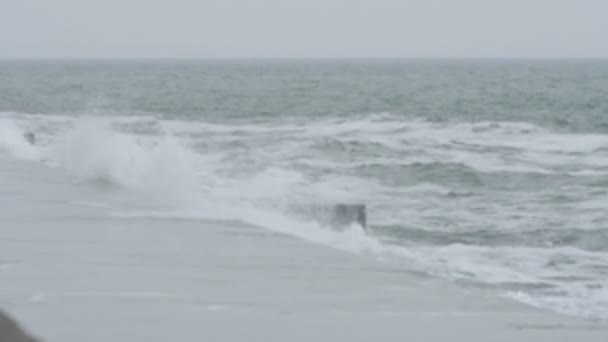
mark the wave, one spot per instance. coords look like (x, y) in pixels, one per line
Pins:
(585, 239)
(12, 141)
(489, 202)
(90, 150)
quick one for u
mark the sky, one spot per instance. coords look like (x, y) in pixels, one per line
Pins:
(212, 29)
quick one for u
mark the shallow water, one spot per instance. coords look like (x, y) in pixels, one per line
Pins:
(491, 173)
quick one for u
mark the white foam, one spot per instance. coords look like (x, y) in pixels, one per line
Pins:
(12, 141)
(579, 301)
(273, 166)
(90, 150)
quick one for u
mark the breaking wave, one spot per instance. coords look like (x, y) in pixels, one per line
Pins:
(504, 204)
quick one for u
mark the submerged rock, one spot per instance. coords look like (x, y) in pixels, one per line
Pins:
(337, 216)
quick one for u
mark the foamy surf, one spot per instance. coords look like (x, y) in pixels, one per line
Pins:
(12, 140)
(434, 190)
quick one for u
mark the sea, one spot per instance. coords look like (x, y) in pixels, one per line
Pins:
(490, 174)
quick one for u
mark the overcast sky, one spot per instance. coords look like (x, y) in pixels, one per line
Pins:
(303, 28)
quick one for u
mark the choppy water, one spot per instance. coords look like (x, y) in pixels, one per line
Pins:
(492, 173)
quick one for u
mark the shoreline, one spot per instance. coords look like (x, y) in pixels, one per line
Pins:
(80, 275)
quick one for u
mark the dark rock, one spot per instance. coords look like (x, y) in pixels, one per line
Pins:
(31, 138)
(10, 331)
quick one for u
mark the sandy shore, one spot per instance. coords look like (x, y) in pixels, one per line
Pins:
(89, 277)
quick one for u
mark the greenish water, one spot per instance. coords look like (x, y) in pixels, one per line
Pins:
(569, 95)
(491, 172)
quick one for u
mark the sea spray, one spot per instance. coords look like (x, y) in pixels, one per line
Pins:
(464, 201)
(13, 141)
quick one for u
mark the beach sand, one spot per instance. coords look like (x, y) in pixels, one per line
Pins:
(69, 275)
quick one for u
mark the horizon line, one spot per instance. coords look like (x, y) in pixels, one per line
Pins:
(195, 59)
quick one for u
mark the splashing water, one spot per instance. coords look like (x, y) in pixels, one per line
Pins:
(470, 202)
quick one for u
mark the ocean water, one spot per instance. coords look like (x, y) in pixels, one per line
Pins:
(493, 174)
